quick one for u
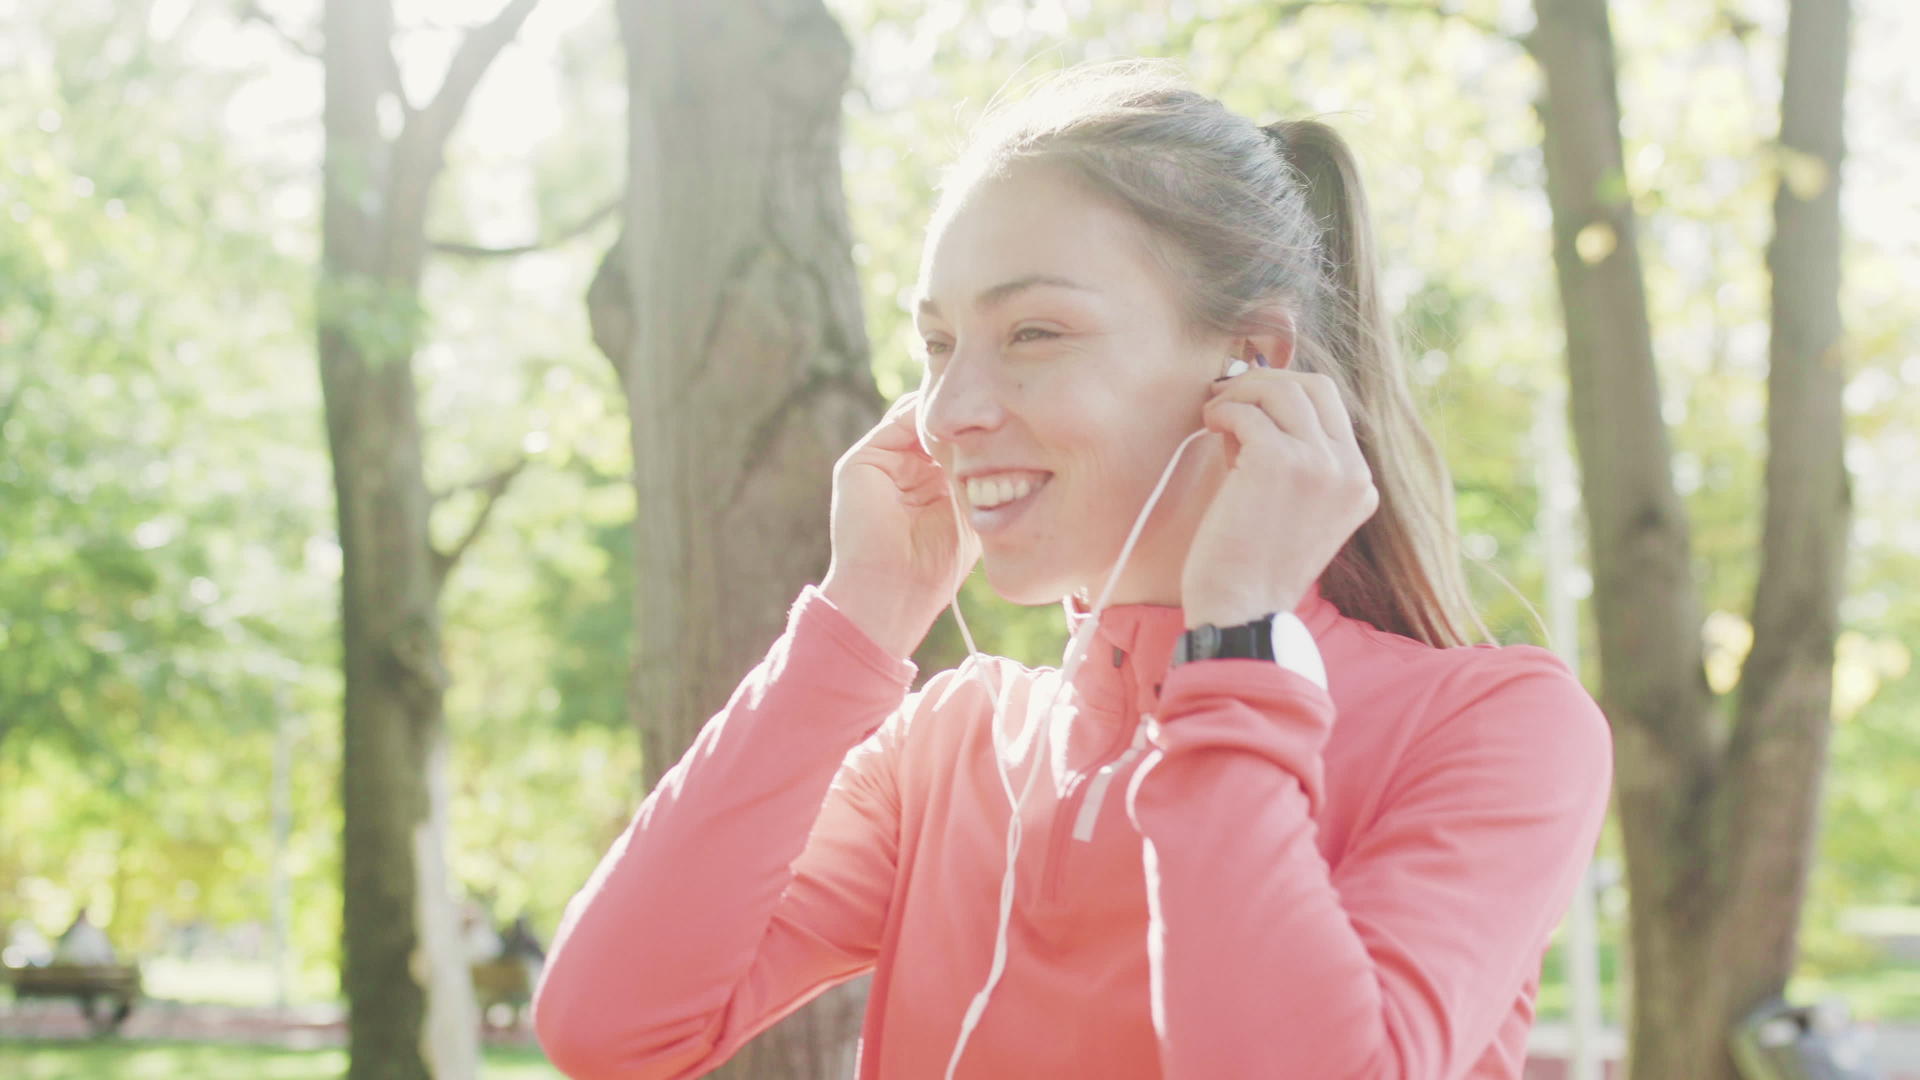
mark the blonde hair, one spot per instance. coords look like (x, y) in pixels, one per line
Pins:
(1245, 218)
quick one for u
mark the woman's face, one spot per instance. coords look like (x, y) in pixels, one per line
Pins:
(1055, 365)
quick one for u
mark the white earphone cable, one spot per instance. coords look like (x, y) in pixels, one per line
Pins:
(1070, 665)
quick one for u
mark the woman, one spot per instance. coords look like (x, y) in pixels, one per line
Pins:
(1338, 838)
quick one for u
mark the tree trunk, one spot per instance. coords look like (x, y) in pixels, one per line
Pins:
(411, 1010)
(731, 311)
(1718, 819)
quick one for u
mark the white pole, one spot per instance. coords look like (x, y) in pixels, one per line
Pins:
(1559, 503)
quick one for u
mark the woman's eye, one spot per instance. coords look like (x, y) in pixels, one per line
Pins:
(940, 348)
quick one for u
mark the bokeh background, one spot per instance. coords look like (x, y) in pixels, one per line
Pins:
(171, 686)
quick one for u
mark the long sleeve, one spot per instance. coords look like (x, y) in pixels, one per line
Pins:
(756, 874)
(1402, 963)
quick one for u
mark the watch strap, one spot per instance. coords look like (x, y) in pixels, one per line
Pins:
(1248, 641)
(1280, 637)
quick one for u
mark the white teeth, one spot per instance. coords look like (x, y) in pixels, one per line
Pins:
(987, 493)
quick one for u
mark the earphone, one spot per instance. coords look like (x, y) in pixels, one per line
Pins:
(1076, 653)
(1237, 366)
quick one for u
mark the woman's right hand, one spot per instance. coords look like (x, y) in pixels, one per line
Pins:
(899, 551)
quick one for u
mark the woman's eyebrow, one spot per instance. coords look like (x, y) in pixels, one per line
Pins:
(1005, 290)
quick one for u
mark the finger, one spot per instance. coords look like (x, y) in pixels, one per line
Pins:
(1281, 396)
(1250, 425)
(1325, 395)
(913, 477)
(900, 428)
(904, 408)
(914, 420)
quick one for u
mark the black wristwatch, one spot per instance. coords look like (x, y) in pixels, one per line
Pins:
(1248, 641)
(1280, 637)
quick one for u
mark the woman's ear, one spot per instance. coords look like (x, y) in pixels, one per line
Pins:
(1270, 336)
(1281, 338)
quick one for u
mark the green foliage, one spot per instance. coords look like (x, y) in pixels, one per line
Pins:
(135, 357)
(162, 500)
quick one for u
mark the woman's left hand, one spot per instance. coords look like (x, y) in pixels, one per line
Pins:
(1296, 489)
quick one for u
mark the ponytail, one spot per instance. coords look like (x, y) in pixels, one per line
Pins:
(1329, 178)
(1401, 571)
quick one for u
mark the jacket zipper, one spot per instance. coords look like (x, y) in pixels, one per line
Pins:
(1064, 819)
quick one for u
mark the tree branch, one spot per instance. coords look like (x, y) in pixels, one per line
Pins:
(490, 488)
(1266, 17)
(1271, 15)
(420, 150)
(474, 251)
(1389, 7)
(251, 11)
(1808, 496)
(431, 125)
(1645, 598)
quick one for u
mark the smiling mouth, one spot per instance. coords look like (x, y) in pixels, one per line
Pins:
(994, 492)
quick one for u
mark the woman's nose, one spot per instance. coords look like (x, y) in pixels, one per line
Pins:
(961, 399)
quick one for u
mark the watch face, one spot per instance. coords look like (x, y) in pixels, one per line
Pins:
(1208, 645)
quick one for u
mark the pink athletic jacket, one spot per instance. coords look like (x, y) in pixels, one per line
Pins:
(1287, 882)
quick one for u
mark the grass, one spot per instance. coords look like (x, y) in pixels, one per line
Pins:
(121, 1059)
(1887, 992)
(229, 982)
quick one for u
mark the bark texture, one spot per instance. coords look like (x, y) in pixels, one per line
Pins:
(731, 311)
(411, 1010)
(1719, 800)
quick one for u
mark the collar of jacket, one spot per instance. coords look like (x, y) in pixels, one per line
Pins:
(1134, 642)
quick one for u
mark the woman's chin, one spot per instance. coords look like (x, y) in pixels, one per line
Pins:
(1024, 585)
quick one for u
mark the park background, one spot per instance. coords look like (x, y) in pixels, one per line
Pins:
(171, 686)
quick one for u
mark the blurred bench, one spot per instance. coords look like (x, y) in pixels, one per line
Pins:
(105, 992)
